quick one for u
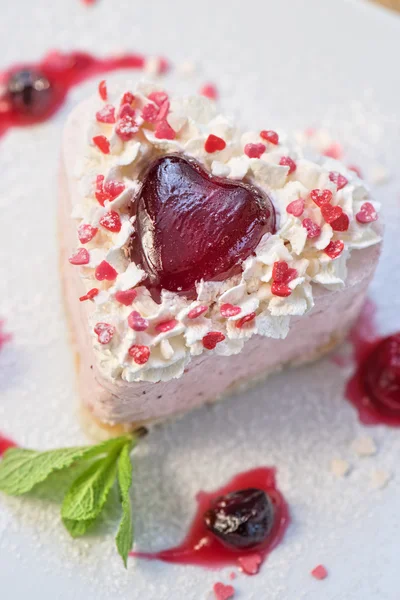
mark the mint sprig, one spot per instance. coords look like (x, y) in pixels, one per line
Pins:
(21, 470)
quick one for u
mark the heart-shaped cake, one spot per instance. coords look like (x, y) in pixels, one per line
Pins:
(191, 225)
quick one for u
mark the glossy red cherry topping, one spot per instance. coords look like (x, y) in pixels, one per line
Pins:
(192, 226)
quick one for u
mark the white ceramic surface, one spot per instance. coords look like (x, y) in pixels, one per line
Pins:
(287, 63)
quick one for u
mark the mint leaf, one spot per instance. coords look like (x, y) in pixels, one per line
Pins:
(21, 469)
(87, 495)
(124, 539)
(77, 528)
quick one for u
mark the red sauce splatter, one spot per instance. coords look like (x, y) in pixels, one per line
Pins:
(5, 444)
(374, 388)
(40, 91)
(202, 548)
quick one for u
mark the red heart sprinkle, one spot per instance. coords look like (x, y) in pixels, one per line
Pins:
(254, 150)
(321, 197)
(90, 295)
(339, 179)
(341, 224)
(103, 90)
(106, 114)
(86, 233)
(334, 248)
(166, 325)
(281, 289)
(113, 189)
(102, 143)
(223, 592)
(331, 213)
(164, 131)
(270, 136)
(246, 319)
(126, 110)
(229, 310)
(137, 322)
(150, 113)
(214, 144)
(280, 271)
(319, 572)
(104, 271)
(158, 97)
(296, 208)
(126, 128)
(250, 563)
(209, 90)
(367, 213)
(125, 297)
(286, 161)
(211, 339)
(104, 332)
(335, 151)
(140, 354)
(164, 111)
(80, 257)
(197, 312)
(111, 221)
(313, 230)
(127, 98)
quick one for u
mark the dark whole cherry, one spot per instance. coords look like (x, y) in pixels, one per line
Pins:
(242, 519)
(380, 374)
(192, 226)
(29, 92)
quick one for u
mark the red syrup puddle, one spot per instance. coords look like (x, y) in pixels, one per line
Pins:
(5, 444)
(202, 548)
(42, 88)
(374, 388)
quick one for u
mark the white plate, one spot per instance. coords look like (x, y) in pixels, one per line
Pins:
(287, 63)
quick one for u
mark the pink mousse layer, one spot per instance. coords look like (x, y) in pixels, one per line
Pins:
(208, 377)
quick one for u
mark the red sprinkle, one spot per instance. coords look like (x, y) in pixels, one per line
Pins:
(111, 221)
(246, 319)
(126, 110)
(281, 289)
(313, 230)
(164, 131)
(214, 144)
(102, 143)
(90, 295)
(107, 191)
(137, 322)
(103, 90)
(163, 111)
(341, 224)
(229, 310)
(211, 339)
(367, 213)
(331, 213)
(125, 297)
(339, 179)
(335, 151)
(126, 128)
(286, 161)
(166, 325)
(140, 354)
(334, 248)
(321, 197)
(280, 271)
(104, 271)
(319, 573)
(127, 98)
(296, 208)
(232, 575)
(80, 257)
(197, 312)
(209, 90)
(250, 563)
(158, 97)
(86, 233)
(270, 136)
(150, 113)
(254, 150)
(106, 114)
(223, 592)
(104, 332)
